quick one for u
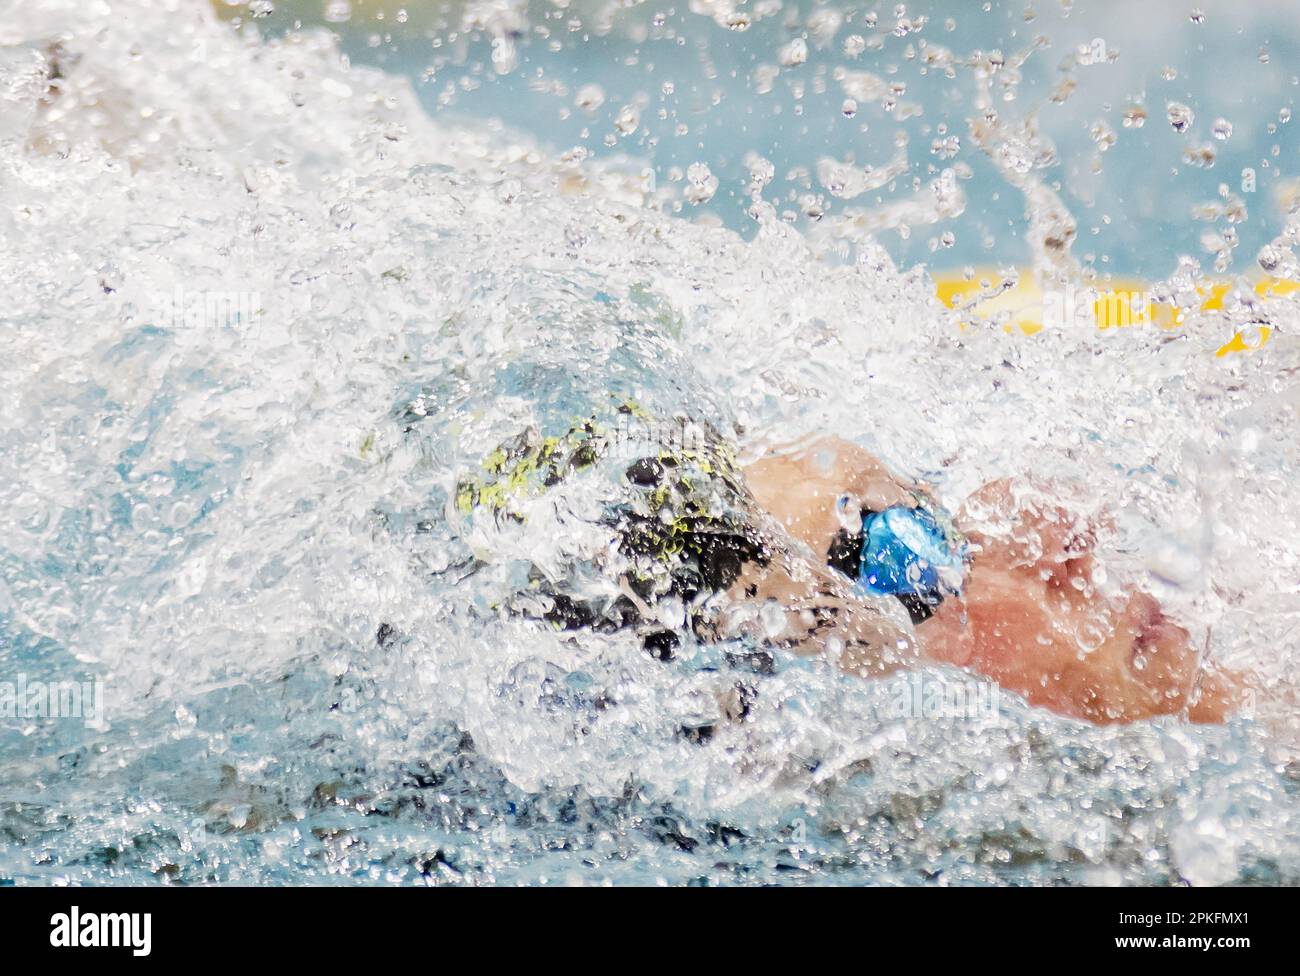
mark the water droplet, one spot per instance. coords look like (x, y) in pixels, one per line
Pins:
(629, 117)
(338, 12)
(848, 513)
(1202, 156)
(772, 619)
(1181, 116)
(765, 76)
(590, 97)
(1016, 156)
(946, 148)
(1090, 635)
(761, 172)
(1103, 135)
(794, 53)
(701, 183)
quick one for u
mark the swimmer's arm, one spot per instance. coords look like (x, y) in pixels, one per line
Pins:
(819, 614)
(802, 486)
(812, 488)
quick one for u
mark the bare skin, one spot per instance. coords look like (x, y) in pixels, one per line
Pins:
(802, 492)
(1029, 616)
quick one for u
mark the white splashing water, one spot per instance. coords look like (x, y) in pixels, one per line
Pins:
(261, 312)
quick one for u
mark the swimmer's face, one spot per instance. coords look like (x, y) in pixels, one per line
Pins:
(1031, 618)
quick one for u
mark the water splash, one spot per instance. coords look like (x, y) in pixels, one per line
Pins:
(242, 377)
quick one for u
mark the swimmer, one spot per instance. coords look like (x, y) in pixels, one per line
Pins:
(1004, 589)
(821, 549)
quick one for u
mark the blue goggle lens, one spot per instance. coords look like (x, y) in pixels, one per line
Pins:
(908, 552)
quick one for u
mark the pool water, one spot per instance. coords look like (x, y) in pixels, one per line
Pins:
(265, 305)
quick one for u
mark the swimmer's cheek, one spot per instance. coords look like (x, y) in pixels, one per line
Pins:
(946, 638)
(994, 628)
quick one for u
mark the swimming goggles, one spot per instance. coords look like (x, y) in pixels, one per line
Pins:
(914, 554)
